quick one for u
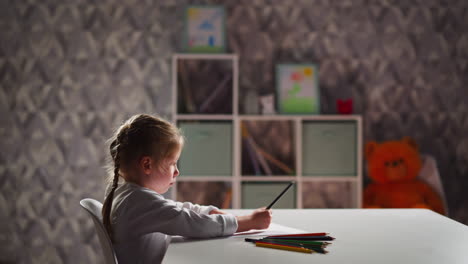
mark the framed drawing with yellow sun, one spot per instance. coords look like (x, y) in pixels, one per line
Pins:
(297, 89)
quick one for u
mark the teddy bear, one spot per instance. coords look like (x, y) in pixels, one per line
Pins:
(393, 167)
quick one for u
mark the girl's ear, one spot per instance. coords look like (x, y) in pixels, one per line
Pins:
(146, 164)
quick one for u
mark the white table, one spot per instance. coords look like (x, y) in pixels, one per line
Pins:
(362, 236)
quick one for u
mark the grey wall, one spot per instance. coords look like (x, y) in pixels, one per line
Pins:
(70, 71)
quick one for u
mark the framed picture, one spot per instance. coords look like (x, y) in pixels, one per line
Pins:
(297, 89)
(204, 29)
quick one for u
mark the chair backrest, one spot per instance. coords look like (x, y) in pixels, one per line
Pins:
(93, 208)
(430, 174)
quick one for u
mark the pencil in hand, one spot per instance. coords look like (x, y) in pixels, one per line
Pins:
(279, 196)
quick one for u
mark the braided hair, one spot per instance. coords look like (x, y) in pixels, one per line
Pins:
(141, 135)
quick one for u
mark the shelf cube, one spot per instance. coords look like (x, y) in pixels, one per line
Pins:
(207, 150)
(329, 148)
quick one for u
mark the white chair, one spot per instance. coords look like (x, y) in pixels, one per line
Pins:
(93, 208)
(430, 174)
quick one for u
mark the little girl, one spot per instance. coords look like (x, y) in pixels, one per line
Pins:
(144, 152)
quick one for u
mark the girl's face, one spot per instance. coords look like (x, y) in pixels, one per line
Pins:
(166, 173)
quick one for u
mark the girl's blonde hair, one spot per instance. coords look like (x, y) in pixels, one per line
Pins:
(141, 135)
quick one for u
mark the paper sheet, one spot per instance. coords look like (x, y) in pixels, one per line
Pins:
(273, 229)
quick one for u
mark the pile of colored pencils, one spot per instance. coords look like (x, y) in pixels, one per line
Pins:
(306, 243)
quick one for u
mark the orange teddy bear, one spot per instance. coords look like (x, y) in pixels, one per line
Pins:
(394, 166)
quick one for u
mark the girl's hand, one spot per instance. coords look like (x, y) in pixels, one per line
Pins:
(259, 219)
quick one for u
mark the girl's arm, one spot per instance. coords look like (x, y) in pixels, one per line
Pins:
(216, 211)
(200, 209)
(259, 219)
(146, 212)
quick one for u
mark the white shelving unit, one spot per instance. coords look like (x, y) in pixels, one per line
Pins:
(298, 124)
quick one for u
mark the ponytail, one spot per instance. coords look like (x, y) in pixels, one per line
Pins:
(107, 206)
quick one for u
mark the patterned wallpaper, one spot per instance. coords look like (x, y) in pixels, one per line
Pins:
(71, 70)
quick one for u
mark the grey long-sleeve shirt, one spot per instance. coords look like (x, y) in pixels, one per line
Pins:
(142, 220)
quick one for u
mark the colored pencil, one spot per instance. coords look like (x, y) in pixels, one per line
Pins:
(309, 238)
(299, 235)
(278, 246)
(315, 248)
(304, 242)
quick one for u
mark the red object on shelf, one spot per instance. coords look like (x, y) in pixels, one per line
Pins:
(344, 106)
